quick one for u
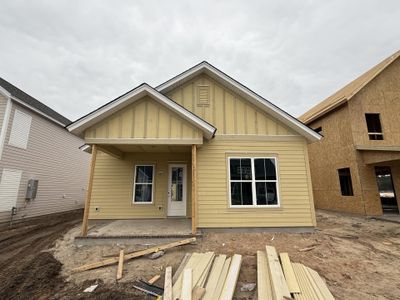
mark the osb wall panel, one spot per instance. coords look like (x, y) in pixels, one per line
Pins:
(334, 151)
(395, 168)
(227, 111)
(144, 118)
(113, 185)
(381, 95)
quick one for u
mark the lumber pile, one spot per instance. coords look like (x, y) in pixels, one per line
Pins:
(204, 276)
(278, 278)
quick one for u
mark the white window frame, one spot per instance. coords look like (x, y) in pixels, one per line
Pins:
(152, 183)
(253, 182)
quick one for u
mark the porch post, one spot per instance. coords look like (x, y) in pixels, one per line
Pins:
(194, 189)
(89, 192)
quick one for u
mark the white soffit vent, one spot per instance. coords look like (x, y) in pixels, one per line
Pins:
(9, 187)
(20, 129)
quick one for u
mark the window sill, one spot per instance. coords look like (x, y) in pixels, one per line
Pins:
(255, 206)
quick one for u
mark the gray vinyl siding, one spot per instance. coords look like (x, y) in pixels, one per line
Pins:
(54, 158)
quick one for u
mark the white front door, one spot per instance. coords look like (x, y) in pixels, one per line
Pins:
(177, 190)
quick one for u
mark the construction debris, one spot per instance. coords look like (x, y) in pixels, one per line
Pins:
(148, 288)
(200, 276)
(120, 264)
(247, 287)
(282, 279)
(153, 279)
(156, 255)
(91, 288)
(114, 260)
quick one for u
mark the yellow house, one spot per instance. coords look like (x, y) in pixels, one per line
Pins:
(200, 146)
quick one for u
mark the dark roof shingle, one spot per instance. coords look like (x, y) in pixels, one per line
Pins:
(24, 97)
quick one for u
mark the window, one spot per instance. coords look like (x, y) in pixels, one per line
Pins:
(253, 182)
(374, 126)
(20, 130)
(346, 186)
(143, 187)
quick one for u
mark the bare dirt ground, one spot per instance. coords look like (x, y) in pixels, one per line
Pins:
(359, 258)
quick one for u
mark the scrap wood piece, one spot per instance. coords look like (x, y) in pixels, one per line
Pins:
(168, 284)
(306, 290)
(290, 277)
(278, 281)
(113, 260)
(264, 288)
(318, 284)
(214, 276)
(221, 279)
(153, 279)
(148, 288)
(198, 293)
(181, 267)
(120, 264)
(307, 249)
(187, 279)
(231, 278)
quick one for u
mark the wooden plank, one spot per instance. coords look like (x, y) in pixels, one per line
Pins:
(264, 288)
(194, 189)
(231, 279)
(289, 273)
(214, 276)
(113, 260)
(313, 283)
(198, 293)
(153, 279)
(204, 274)
(321, 284)
(168, 284)
(221, 279)
(177, 287)
(278, 281)
(181, 267)
(186, 292)
(89, 192)
(120, 264)
(307, 291)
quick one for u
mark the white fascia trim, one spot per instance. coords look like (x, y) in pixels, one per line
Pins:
(78, 126)
(37, 111)
(6, 119)
(308, 132)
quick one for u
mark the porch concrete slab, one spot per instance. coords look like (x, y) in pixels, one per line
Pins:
(395, 218)
(141, 228)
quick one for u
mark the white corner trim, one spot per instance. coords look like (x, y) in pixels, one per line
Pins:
(4, 126)
(79, 126)
(258, 100)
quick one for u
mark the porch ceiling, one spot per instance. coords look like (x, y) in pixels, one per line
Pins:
(380, 157)
(153, 148)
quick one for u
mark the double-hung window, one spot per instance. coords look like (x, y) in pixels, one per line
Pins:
(143, 184)
(253, 181)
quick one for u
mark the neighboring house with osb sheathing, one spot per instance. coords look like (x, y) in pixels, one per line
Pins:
(356, 166)
(42, 169)
(200, 146)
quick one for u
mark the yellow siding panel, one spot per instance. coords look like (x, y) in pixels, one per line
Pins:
(144, 119)
(295, 193)
(228, 112)
(113, 186)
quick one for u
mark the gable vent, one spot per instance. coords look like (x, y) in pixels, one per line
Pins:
(203, 95)
(20, 130)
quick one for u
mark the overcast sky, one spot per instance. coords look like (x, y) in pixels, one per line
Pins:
(77, 55)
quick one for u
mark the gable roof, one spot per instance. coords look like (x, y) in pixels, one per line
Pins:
(243, 91)
(347, 92)
(80, 125)
(27, 100)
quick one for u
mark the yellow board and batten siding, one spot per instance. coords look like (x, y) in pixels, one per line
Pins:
(242, 130)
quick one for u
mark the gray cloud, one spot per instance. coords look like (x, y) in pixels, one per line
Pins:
(76, 55)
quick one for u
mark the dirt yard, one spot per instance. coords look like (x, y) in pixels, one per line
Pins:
(359, 258)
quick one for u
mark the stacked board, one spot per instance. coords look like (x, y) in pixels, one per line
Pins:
(205, 276)
(278, 278)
